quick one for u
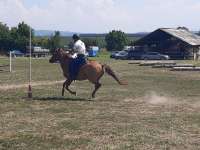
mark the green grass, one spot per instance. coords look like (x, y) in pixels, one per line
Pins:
(159, 109)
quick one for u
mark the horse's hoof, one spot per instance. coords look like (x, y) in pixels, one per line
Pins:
(74, 93)
(63, 92)
(90, 99)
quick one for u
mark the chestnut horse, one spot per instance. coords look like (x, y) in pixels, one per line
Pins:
(92, 71)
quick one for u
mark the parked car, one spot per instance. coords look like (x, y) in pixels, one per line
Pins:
(17, 53)
(113, 54)
(121, 55)
(135, 54)
(154, 56)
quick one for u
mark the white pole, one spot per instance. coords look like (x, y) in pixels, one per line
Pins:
(10, 61)
(30, 58)
(30, 69)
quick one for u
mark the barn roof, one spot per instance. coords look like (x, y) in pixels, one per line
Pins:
(179, 33)
(183, 35)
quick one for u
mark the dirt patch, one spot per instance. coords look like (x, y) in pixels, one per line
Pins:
(154, 98)
(128, 100)
(196, 105)
(158, 99)
(19, 86)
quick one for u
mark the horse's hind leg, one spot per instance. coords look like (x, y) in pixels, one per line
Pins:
(97, 86)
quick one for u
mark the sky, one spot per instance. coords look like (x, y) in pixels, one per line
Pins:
(101, 16)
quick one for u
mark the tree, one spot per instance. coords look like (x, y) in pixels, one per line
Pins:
(131, 42)
(23, 32)
(94, 41)
(20, 36)
(16, 38)
(90, 42)
(4, 37)
(116, 40)
(43, 42)
(54, 42)
(101, 42)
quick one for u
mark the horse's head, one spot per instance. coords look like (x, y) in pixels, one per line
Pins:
(59, 55)
(56, 56)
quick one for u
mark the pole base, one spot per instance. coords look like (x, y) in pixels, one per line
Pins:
(29, 91)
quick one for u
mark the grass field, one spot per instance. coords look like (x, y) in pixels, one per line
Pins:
(159, 109)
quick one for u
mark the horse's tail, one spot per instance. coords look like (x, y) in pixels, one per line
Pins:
(110, 72)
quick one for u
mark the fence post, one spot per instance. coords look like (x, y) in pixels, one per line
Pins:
(10, 61)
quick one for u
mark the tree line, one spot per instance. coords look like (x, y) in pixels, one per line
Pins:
(18, 38)
(14, 38)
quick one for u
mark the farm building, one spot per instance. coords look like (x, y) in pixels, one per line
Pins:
(178, 43)
(38, 51)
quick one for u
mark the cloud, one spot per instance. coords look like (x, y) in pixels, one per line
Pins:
(12, 11)
(102, 15)
(172, 13)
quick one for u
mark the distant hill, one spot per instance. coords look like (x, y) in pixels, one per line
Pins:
(51, 32)
(141, 34)
(69, 34)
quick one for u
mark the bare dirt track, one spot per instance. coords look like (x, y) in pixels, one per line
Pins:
(19, 86)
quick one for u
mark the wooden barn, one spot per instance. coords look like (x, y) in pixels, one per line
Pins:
(178, 43)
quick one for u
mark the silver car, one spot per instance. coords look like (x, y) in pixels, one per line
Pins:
(154, 56)
(121, 55)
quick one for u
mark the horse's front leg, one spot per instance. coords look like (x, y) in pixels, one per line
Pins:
(67, 84)
(63, 89)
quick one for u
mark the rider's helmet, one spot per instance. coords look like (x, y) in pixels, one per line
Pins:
(76, 37)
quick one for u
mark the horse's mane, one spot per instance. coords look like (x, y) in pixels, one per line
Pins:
(65, 54)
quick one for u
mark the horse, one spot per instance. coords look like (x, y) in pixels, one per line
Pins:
(92, 71)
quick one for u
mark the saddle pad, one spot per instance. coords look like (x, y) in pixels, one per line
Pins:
(74, 67)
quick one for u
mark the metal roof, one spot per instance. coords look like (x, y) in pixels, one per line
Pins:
(183, 35)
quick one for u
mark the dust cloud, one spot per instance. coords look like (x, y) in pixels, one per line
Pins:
(155, 99)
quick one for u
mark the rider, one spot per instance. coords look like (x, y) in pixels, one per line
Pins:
(79, 50)
(79, 46)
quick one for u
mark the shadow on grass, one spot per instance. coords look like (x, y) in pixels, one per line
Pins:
(60, 99)
(4, 65)
(3, 71)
